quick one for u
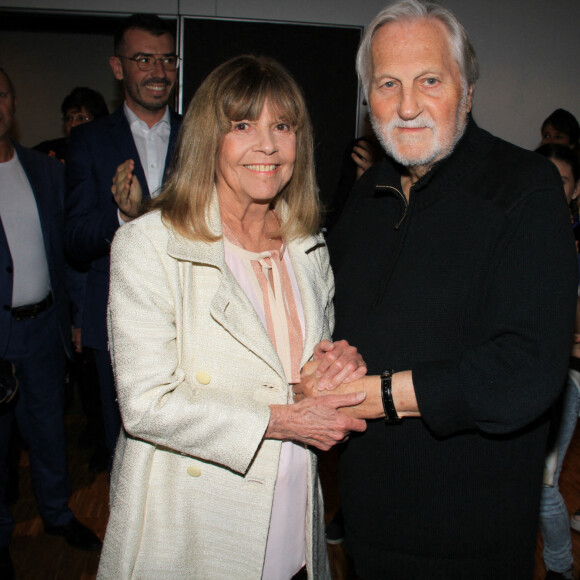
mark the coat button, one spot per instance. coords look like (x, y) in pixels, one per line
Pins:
(203, 378)
(194, 471)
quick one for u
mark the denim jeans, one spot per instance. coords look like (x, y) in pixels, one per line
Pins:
(554, 517)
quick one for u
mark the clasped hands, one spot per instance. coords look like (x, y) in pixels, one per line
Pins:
(336, 369)
(332, 364)
(320, 421)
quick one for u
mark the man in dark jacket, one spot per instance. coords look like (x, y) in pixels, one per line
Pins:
(35, 329)
(456, 280)
(140, 138)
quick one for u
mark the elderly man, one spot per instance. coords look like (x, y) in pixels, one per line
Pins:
(139, 139)
(455, 278)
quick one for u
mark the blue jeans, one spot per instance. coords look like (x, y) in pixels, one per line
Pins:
(554, 517)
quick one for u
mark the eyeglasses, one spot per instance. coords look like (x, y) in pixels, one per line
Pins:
(76, 119)
(147, 62)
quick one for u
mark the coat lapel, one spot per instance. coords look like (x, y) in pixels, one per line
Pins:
(232, 309)
(123, 139)
(310, 284)
(230, 306)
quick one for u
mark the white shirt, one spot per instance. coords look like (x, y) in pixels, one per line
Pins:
(151, 145)
(21, 222)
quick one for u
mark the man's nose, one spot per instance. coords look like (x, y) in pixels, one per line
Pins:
(410, 105)
(158, 68)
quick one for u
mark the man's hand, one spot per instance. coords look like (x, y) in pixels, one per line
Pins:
(339, 363)
(126, 190)
(372, 405)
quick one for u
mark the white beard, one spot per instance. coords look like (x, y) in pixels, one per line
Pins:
(441, 146)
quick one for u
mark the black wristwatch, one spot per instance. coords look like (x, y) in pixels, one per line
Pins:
(391, 415)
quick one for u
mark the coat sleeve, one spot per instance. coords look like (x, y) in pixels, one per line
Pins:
(91, 213)
(158, 401)
(518, 368)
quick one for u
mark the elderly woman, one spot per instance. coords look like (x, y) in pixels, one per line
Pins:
(218, 297)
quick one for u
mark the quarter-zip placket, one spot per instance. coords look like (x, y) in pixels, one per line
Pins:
(402, 198)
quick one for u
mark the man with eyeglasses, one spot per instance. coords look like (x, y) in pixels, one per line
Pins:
(136, 140)
(81, 105)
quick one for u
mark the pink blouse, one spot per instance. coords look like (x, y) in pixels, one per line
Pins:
(268, 280)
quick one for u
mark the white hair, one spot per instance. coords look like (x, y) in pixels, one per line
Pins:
(415, 10)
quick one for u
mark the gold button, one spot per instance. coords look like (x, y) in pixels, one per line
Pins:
(203, 378)
(194, 471)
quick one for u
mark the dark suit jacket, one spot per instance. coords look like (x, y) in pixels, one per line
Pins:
(95, 150)
(46, 178)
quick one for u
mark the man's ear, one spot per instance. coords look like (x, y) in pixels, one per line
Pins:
(117, 67)
(469, 103)
(576, 191)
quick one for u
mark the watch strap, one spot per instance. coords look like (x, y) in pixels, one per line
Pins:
(391, 415)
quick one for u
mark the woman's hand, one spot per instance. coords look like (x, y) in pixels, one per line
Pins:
(339, 362)
(364, 154)
(315, 421)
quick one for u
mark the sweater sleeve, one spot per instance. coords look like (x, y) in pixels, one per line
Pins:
(515, 373)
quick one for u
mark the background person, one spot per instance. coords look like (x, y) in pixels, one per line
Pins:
(34, 329)
(561, 127)
(80, 106)
(140, 136)
(218, 298)
(554, 518)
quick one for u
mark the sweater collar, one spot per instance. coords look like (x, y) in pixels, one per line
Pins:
(446, 174)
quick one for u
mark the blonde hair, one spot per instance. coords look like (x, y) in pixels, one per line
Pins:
(235, 91)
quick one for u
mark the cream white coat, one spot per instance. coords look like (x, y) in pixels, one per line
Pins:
(193, 478)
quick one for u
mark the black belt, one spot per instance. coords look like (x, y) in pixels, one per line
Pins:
(32, 310)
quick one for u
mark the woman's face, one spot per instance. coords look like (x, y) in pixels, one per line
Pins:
(551, 135)
(571, 188)
(256, 159)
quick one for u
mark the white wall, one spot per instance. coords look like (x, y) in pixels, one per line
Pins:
(529, 51)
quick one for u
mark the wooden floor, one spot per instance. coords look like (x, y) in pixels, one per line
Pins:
(37, 556)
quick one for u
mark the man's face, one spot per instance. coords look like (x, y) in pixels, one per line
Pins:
(145, 91)
(74, 117)
(418, 101)
(7, 108)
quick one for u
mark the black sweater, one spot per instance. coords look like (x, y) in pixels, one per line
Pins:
(472, 286)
